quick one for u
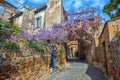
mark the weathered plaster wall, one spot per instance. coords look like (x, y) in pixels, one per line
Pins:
(28, 20)
(54, 12)
(18, 21)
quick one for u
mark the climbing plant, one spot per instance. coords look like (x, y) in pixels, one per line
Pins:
(77, 25)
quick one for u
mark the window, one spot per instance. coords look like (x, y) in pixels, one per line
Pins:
(1, 10)
(39, 22)
(12, 21)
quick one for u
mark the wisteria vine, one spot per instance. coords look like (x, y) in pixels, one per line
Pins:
(83, 21)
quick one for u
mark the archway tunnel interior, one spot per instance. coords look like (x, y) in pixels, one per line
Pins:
(75, 50)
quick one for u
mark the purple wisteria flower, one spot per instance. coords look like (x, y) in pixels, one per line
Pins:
(59, 32)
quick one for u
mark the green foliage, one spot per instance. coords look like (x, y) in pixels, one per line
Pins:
(38, 45)
(118, 34)
(11, 46)
(6, 30)
(1, 40)
(6, 27)
(2, 32)
(110, 7)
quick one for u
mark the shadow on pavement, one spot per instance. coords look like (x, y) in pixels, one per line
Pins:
(77, 61)
(95, 73)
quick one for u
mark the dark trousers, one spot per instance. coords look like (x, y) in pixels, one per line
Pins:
(53, 61)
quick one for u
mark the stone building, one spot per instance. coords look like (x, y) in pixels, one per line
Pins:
(105, 54)
(6, 10)
(43, 17)
(24, 18)
(48, 14)
(39, 17)
(54, 12)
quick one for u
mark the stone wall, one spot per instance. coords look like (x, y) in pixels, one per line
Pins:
(61, 60)
(8, 10)
(103, 48)
(105, 51)
(115, 49)
(89, 51)
(26, 64)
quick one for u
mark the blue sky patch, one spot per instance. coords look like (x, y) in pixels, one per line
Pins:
(68, 4)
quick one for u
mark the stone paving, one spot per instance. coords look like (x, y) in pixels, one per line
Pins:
(78, 70)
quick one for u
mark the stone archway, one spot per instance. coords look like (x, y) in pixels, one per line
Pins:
(72, 50)
(83, 50)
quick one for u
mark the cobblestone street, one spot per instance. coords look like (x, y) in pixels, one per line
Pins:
(78, 70)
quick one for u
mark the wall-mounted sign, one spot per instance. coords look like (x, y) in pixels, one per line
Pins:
(1, 9)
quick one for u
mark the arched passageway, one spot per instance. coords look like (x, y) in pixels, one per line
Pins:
(82, 50)
(72, 50)
(75, 50)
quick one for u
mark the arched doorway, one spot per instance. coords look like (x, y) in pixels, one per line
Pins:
(72, 50)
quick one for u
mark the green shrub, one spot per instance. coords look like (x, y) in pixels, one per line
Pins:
(2, 31)
(38, 45)
(11, 45)
(1, 40)
(6, 27)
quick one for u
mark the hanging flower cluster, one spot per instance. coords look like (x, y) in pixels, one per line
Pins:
(85, 20)
(55, 34)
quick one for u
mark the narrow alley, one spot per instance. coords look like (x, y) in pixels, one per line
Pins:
(78, 70)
